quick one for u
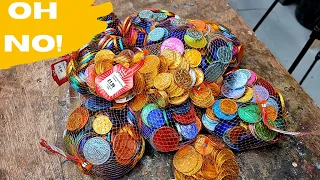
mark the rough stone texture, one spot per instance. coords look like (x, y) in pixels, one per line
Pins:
(34, 107)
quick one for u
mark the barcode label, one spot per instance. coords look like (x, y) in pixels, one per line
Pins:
(60, 69)
(112, 84)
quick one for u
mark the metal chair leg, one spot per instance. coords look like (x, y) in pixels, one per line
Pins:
(311, 67)
(265, 15)
(301, 54)
(313, 36)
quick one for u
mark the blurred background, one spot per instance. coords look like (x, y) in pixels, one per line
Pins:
(283, 33)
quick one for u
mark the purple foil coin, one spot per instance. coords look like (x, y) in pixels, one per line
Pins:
(233, 93)
(173, 44)
(261, 92)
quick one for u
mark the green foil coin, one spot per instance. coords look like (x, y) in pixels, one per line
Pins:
(263, 132)
(250, 113)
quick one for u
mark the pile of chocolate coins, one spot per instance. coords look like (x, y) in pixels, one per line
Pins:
(171, 128)
(237, 115)
(183, 53)
(154, 76)
(206, 158)
(108, 141)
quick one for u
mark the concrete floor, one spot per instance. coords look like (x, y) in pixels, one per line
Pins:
(285, 37)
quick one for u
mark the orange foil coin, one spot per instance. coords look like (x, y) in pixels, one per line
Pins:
(77, 119)
(124, 146)
(138, 102)
(138, 83)
(186, 159)
(214, 88)
(198, 24)
(235, 133)
(203, 145)
(272, 113)
(228, 106)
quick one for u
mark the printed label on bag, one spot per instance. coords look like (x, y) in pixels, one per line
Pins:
(60, 70)
(112, 84)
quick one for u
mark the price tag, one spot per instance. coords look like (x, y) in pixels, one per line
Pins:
(112, 84)
(59, 70)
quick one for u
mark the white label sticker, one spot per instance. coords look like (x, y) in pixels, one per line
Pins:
(60, 69)
(112, 84)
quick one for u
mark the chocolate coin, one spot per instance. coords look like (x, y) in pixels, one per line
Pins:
(96, 150)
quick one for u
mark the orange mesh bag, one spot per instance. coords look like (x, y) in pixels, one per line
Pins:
(102, 139)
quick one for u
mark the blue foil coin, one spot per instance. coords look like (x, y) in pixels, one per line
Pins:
(168, 117)
(189, 131)
(273, 102)
(208, 123)
(232, 93)
(161, 17)
(155, 118)
(223, 29)
(204, 64)
(215, 44)
(146, 14)
(245, 72)
(96, 151)
(221, 128)
(214, 71)
(219, 114)
(157, 34)
(146, 131)
(131, 118)
(224, 54)
(96, 104)
(235, 80)
(177, 33)
(145, 112)
(182, 109)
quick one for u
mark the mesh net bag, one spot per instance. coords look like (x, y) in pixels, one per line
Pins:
(104, 142)
(152, 74)
(161, 66)
(206, 158)
(249, 112)
(202, 49)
